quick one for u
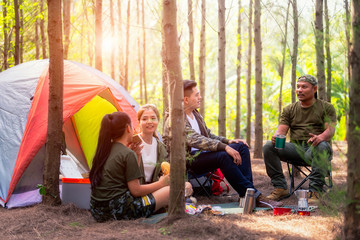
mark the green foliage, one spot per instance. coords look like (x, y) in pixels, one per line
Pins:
(164, 231)
(42, 189)
(334, 202)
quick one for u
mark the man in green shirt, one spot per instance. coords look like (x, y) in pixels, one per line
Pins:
(312, 125)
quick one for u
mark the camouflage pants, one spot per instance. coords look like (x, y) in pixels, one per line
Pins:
(124, 207)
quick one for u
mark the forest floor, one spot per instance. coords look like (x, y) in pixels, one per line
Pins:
(70, 222)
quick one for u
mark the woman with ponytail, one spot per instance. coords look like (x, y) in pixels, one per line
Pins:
(115, 175)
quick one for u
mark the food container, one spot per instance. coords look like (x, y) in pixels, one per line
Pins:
(282, 210)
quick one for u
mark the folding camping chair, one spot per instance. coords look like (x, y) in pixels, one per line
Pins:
(306, 171)
(201, 183)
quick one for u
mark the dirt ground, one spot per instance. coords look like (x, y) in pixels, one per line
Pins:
(70, 222)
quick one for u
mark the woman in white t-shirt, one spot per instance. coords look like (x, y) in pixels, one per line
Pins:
(154, 151)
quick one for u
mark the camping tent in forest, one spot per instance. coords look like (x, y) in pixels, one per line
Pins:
(24, 89)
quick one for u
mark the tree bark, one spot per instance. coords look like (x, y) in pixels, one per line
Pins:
(144, 49)
(37, 45)
(282, 66)
(120, 46)
(221, 67)
(171, 58)
(5, 32)
(55, 117)
(295, 51)
(348, 46)
(112, 29)
(258, 81)
(21, 43)
(319, 45)
(238, 75)
(202, 57)
(139, 52)
(98, 35)
(248, 80)
(352, 213)
(127, 47)
(17, 32)
(328, 54)
(42, 30)
(66, 20)
(191, 40)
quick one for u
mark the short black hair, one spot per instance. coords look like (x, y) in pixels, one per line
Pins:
(188, 86)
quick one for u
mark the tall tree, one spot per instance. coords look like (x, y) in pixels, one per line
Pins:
(66, 20)
(171, 58)
(352, 211)
(191, 40)
(21, 43)
(238, 75)
(37, 45)
(42, 30)
(55, 113)
(258, 81)
(120, 45)
(139, 52)
(202, 57)
(282, 65)
(144, 48)
(125, 84)
(112, 30)
(348, 45)
(328, 54)
(295, 51)
(5, 32)
(98, 35)
(248, 79)
(17, 32)
(319, 45)
(221, 68)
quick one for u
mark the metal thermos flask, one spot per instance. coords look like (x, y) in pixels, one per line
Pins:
(249, 201)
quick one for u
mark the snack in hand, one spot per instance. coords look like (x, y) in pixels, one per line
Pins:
(165, 168)
(136, 139)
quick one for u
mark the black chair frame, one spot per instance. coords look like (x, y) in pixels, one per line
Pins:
(202, 186)
(300, 168)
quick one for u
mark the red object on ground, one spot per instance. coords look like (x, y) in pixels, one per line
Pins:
(281, 211)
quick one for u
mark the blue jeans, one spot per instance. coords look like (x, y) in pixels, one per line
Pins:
(298, 154)
(239, 177)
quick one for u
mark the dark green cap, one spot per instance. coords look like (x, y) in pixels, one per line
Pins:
(308, 78)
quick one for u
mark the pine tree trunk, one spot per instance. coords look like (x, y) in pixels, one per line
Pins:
(112, 29)
(42, 30)
(328, 54)
(248, 80)
(37, 45)
(126, 80)
(120, 46)
(352, 213)
(348, 46)
(139, 52)
(66, 20)
(21, 47)
(55, 117)
(319, 45)
(191, 40)
(258, 81)
(282, 66)
(98, 35)
(238, 75)
(144, 50)
(5, 31)
(202, 57)
(171, 56)
(295, 51)
(17, 32)
(221, 67)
